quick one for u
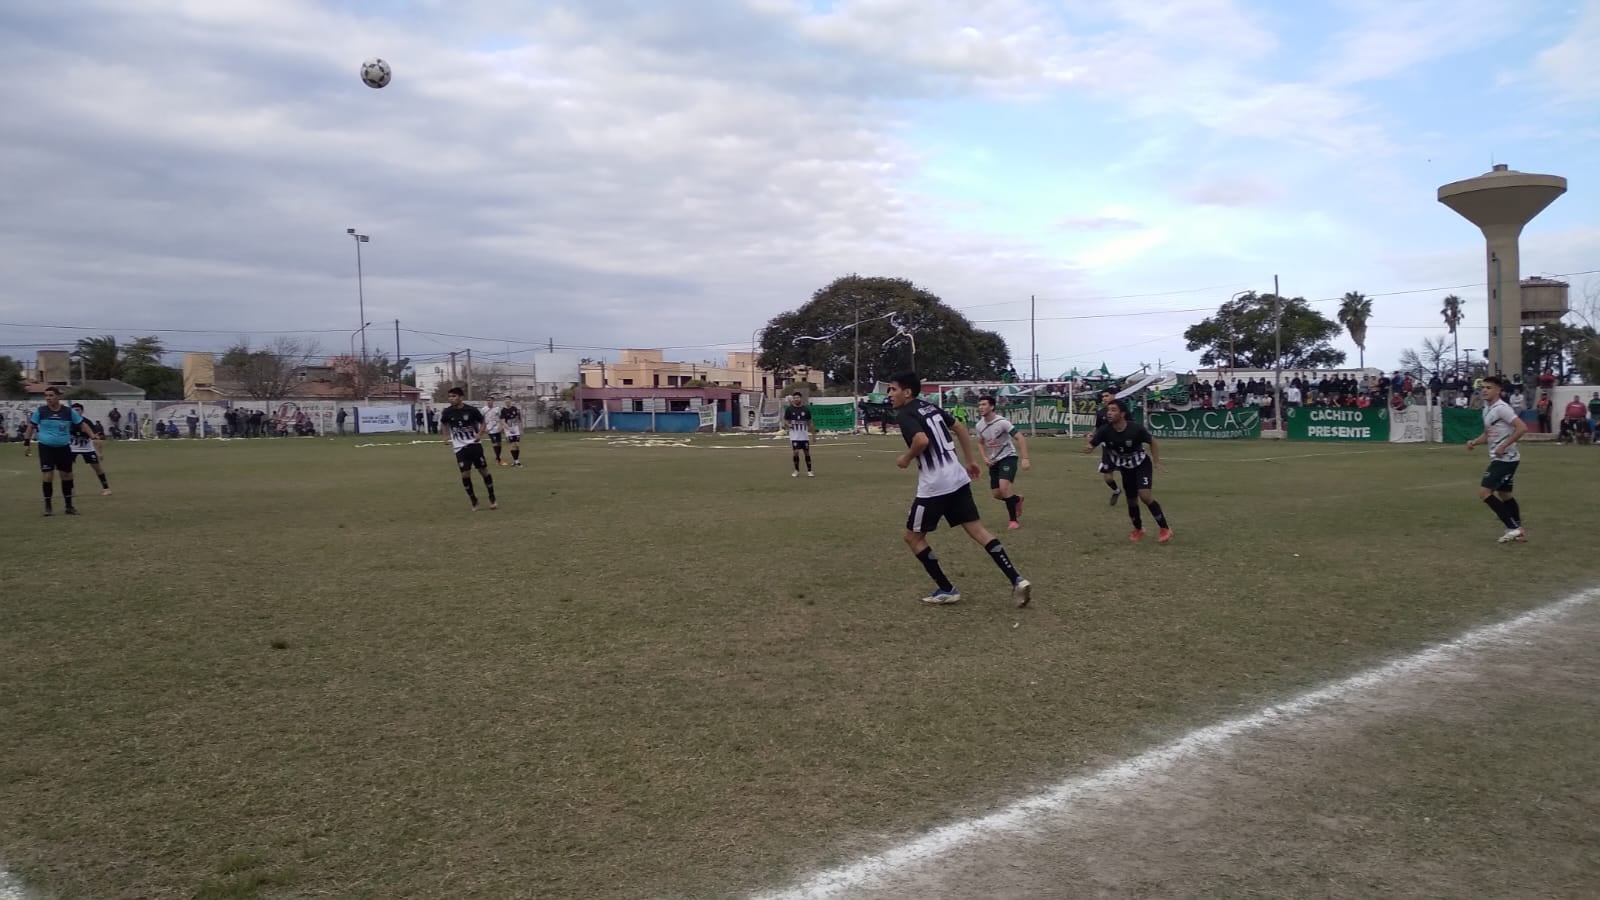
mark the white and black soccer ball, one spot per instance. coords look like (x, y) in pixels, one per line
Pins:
(375, 73)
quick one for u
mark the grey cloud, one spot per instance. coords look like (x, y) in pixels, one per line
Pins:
(201, 169)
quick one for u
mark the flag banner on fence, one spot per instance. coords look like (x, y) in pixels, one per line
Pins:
(1338, 423)
(833, 416)
(375, 419)
(1208, 424)
(1461, 425)
(1409, 425)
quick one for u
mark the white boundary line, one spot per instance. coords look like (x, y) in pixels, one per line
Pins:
(1017, 816)
(9, 888)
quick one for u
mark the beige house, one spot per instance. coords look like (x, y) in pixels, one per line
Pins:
(649, 369)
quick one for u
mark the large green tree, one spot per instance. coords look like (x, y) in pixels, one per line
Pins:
(1241, 333)
(895, 316)
(11, 383)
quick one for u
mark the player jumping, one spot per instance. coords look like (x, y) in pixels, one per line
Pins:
(1502, 428)
(1001, 443)
(466, 425)
(798, 415)
(944, 487)
(1124, 442)
(511, 418)
(54, 424)
(90, 449)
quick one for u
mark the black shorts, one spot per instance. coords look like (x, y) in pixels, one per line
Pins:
(55, 459)
(801, 446)
(470, 457)
(1105, 461)
(494, 438)
(1139, 478)
(1501, 476)
(514, 437)
(91, 458)
(957, 507)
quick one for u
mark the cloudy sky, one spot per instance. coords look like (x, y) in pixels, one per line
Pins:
(615, 173)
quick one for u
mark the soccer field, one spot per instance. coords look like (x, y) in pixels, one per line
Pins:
(665, 668)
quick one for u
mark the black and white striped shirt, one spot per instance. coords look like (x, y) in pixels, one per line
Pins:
(939, 469)
(1126, 448)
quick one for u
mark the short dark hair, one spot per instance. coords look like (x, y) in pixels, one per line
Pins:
(988, 397)
(53, 390)
(797, 394)
(454, 391)
(1105, 391)
(1498, 381)
(77, 406)
(911, 381)
(1119, 404)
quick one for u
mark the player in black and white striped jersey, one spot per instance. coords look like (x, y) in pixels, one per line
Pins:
(944, 487)
(83, 446)
(1123, 444)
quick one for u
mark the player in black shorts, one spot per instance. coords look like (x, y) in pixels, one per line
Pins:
(466, 426)
(1124, 442)
(90, 449)
(511, 423)
(1107, 470)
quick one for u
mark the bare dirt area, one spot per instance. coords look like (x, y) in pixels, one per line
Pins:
(1474, 775)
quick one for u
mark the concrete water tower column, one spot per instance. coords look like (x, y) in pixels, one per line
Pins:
(1500, 203)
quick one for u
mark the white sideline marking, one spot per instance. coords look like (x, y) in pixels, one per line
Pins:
(1016, 817)
(9, 888)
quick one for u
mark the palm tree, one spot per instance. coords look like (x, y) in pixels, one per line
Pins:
(98, 358)
(1354, 312)
(143, 353)
(1452, 320)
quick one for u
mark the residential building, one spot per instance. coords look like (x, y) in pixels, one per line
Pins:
(650, 369)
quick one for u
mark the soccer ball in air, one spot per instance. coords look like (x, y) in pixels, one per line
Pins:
(375, 73)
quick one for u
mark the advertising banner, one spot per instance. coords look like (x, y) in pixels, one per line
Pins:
(1338, 423)
(1207, 424)
(376, 419)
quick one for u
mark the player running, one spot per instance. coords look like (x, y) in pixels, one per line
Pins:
(1001, 444)
(1107, 470)
(944, 487)
(491, 418)
(90, 450)
(511, 419)
(1502, 428)
(798, 415)
(54, 425)
(1123, 442)
(466, 425)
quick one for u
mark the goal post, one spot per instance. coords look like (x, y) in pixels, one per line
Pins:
(1052, 407)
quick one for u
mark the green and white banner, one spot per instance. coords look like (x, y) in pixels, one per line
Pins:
(1207, 424)
(1338, 423)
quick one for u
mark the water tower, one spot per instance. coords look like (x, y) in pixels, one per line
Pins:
(1500, 203)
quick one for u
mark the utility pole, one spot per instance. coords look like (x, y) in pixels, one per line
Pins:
(1033, 340)
(399, 373)
(361, 295)
(452, 368)
(855, 376)
(469, 373)
(1277, 357)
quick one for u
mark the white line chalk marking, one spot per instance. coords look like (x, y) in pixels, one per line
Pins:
(10, 889)
(1020, 815)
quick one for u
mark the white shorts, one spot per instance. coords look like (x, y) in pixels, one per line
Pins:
(513, 434)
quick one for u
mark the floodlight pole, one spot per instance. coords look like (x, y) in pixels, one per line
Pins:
(361, 296)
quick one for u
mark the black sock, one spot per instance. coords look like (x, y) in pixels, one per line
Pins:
(1113, 486)
(808, 460)
(496, 452)
(931, 563)
(49, 490)
(488, 485)
(466, 482)
(1155, 510)
(998, 554)
(516, 454)
(1514, 511)
(66, 490)
(1499, 507)
(797, 460)
(103, 483)
(1133, 512)
(1011, 506)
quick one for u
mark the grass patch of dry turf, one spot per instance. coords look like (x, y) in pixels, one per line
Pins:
(298, 668)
